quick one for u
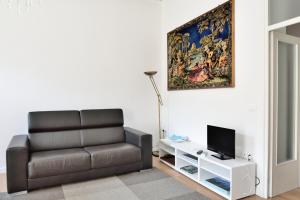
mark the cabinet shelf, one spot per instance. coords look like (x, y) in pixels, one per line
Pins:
(216, 189)
(189, 160)
(168, 149)
(194, 177)
(215, 169)
(216, 175)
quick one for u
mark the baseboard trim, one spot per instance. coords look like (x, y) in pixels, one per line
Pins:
(2, 169)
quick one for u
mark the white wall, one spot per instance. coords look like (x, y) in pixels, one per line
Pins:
(77, 54)
(281, 10)
(242, 107)
(74, 54)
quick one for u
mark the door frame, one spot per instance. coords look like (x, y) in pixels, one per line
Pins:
(267, 76)
(273, 111)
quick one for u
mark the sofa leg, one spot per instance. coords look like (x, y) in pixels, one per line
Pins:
(18, 193)
(145, 170)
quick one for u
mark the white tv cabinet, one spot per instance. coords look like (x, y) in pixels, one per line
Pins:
(240, 173)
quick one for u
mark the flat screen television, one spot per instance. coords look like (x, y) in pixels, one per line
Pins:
(221, 141)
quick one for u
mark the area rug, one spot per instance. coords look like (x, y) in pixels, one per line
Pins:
(146, 185)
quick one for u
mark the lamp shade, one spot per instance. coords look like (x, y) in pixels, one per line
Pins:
(150, 73)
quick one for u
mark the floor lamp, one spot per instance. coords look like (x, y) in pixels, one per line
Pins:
(150, 74)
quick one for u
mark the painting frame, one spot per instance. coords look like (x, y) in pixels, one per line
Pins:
(231, 78)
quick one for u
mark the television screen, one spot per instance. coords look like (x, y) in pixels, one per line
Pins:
(221, 141)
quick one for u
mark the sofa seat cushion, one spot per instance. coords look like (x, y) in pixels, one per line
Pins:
(113, 155)
(56, 162)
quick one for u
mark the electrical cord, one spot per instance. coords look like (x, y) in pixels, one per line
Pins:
(257, 181)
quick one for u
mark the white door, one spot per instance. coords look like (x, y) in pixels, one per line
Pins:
(284, 155)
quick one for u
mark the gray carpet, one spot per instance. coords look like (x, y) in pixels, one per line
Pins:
(146, 185)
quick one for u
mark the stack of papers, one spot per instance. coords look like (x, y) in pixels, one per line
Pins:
(177, 138)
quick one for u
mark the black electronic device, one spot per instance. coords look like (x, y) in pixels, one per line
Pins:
(221, 141)
(199, 152)
(191, 156)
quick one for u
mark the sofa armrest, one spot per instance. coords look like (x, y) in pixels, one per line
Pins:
(142, 140)
(17, 154)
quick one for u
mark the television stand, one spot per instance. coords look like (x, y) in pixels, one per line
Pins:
(222, 157)
(232, 179)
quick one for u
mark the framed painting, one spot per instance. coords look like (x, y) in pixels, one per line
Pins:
(201, 52)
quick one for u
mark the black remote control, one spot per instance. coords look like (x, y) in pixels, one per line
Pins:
(200, 152)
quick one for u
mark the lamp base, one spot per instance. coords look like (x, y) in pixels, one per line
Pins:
(155, 153)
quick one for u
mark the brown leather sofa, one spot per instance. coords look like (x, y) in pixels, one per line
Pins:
(69, 146)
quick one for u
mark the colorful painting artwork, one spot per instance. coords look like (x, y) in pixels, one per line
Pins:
(200, 53)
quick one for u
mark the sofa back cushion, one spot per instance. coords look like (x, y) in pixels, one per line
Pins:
(104, 126)
(48, 121)
(54, 140)
(100, 136)
(50, 130)
(53, 130)
(101, 118)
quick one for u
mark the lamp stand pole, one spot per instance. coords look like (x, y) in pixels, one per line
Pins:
(160, 103)
(156, 152)
(159, 123)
